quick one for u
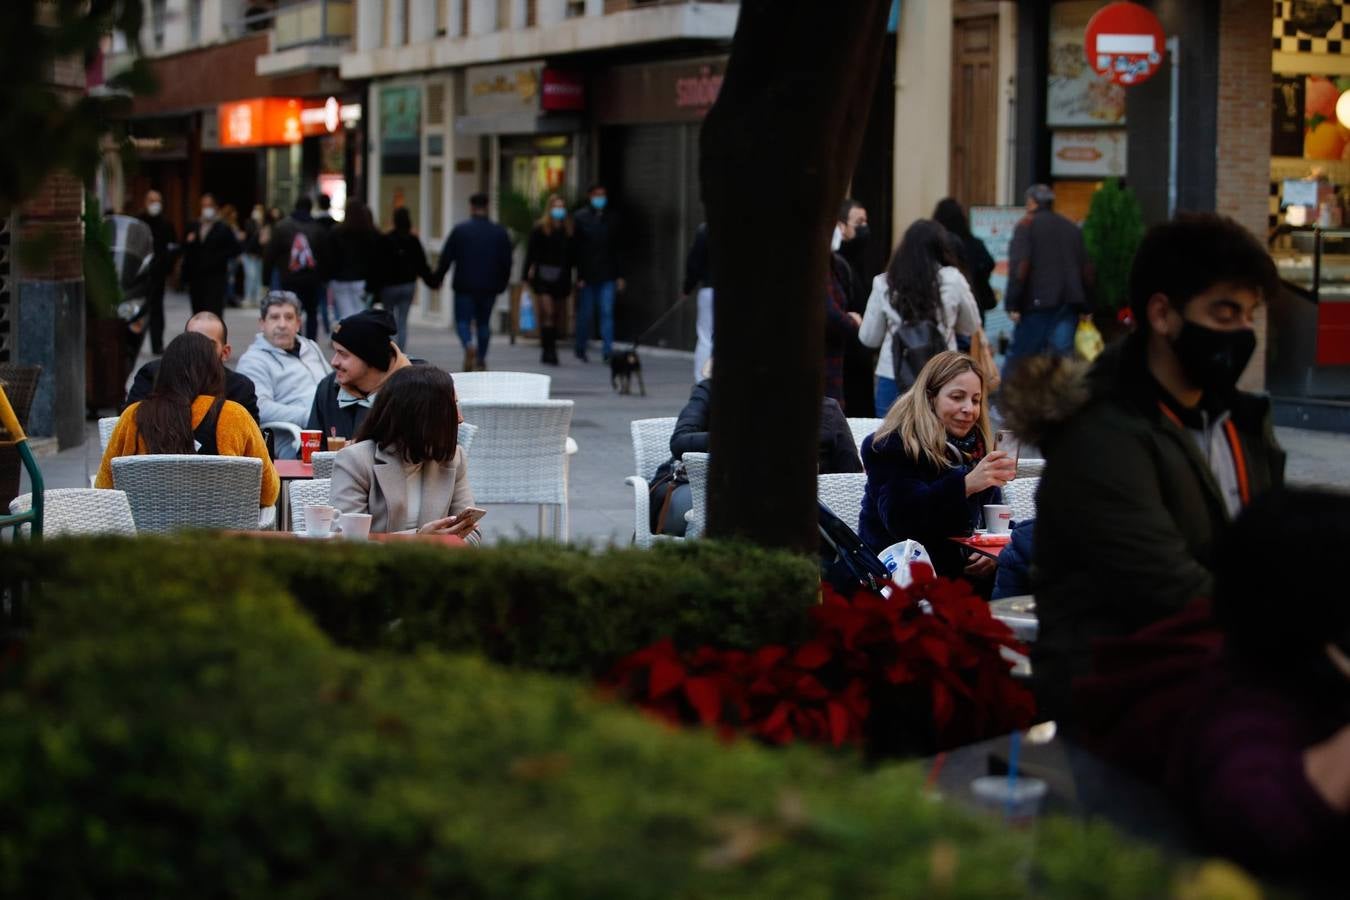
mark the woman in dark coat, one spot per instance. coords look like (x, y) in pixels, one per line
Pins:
(972, 257)
(399, 261)
(548, 269)
(836, 450)
(929, 469)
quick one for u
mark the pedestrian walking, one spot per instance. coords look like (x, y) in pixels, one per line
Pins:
(353, 246)
(548, 270)
(853, 238)
(400, 261)
(207, 252)
(161, 264)
(600, 271)
(698, 277)
(297, 254)
(972, 256)
(1049, 280)
(324, 219)
(256, 233)
(480, 251)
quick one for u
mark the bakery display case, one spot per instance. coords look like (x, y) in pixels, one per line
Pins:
(1309, 323)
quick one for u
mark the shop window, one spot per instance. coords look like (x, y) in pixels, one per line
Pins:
(194, 22)
(575, 9)
(531, 13)
(158, 15)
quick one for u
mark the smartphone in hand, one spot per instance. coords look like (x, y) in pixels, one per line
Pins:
(1006, 441)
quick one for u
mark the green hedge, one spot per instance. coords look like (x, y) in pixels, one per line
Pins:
(535, 605)
(165, 734)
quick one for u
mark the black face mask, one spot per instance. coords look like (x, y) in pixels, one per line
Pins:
(860, 235)
(1213, 360)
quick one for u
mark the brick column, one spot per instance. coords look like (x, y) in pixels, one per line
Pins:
(51, 319)
(1243, 149)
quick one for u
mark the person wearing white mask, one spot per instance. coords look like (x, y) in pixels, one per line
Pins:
(165, 247)
(210, 246)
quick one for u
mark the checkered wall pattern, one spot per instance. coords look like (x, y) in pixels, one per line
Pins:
(1287, 38)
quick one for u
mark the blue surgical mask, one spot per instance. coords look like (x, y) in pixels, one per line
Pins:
(558, 213)
(599, 202)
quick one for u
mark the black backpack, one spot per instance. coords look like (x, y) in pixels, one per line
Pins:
(913, 344)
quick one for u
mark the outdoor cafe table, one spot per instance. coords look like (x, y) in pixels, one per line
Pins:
(982, 544)
(445, 540)
(289, 470)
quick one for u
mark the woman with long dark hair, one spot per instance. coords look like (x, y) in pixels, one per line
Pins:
(972, 256)
(406, 468)
(921, 284)
(548, 269)
(187, 412)
(401, 260)
(352, 245)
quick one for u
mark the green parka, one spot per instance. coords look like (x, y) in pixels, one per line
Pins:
(1128, 509)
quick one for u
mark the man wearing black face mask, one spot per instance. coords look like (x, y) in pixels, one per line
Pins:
(1151, 453)
(852, 236)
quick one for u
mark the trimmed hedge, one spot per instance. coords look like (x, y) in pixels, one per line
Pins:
(172, 731)
(535, 605)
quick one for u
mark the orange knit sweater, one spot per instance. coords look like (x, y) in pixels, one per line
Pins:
(236, 435)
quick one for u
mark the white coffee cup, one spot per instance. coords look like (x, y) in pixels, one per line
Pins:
(319, 520)
(355, 526)
(997, 518)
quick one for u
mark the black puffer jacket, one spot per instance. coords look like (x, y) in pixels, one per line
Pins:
(1128, 510)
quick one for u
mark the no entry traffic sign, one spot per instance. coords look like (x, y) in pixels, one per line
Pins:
(1124, 42)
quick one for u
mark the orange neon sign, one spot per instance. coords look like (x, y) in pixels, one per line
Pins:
(261, 122)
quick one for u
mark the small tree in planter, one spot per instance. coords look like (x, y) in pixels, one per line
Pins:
(1111, 232)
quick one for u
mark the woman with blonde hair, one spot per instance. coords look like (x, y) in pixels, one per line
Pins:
(931, 467)
(548, 270)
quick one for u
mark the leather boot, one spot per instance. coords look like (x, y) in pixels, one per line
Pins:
(550, 341)
(470, 358)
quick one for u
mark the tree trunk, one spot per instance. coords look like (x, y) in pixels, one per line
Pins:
(777, 151)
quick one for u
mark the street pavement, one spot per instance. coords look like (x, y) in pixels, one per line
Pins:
(601, 507)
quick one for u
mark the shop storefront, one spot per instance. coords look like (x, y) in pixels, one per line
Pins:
(648, 119)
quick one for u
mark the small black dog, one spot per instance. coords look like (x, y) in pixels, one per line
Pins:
(623, 366)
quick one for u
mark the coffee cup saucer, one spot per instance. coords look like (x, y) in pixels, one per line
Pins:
(318, 537)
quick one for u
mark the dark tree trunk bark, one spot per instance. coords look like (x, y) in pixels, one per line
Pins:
(777, 151)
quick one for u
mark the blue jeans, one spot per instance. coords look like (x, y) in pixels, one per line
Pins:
(475, 308)
(1042, 331)
(591, 295)
(887, 394)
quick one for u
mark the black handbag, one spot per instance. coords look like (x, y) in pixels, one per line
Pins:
(669, 478)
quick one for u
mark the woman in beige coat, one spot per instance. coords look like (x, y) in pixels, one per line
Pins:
(406, 469)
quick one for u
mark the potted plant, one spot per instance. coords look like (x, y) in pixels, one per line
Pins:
(1112, 232)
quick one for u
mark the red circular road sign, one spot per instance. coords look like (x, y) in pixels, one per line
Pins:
(1124, 42)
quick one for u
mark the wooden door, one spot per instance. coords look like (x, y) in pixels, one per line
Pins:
(974, 110)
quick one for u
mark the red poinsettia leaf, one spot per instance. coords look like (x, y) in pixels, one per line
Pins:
(809, 687)
(771, 655)
(943, 705)
(664, 677)
(811, 655)
(839, 723)
(936, 649)
(899, 672)
(704, 697)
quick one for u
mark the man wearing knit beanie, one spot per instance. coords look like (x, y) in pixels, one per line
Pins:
(364, 355)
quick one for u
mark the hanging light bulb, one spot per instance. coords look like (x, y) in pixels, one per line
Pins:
(1343, 109)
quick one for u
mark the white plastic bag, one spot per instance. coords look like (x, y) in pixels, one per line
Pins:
(899, 557)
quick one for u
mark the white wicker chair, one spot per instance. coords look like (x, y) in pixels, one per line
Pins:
(315, 492)
(172, 491)
(1030, 468)
(501, 386)
(842, 492)
(520, 455)
(322, 463)
(696, 467)
(105, 430)
(284, 434)
(861, 428)
(466, 435)
(80, 511)
(1020, 494)
(651, 447)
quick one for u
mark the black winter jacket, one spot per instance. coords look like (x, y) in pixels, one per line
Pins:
(548, 251)
(597, 251)
(909, 499)
(480, 251)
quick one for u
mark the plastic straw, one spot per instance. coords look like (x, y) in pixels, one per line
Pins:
(1014, 751)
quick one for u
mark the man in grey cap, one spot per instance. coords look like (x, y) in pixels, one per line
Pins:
(1049, 279)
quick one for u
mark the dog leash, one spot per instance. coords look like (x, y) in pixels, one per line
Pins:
(661, 318)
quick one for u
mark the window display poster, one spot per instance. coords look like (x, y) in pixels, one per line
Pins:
(1075, 94)
(994, 226)
(1088, 153)
(1325, 137)
(1286, 116)
(400, 122)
